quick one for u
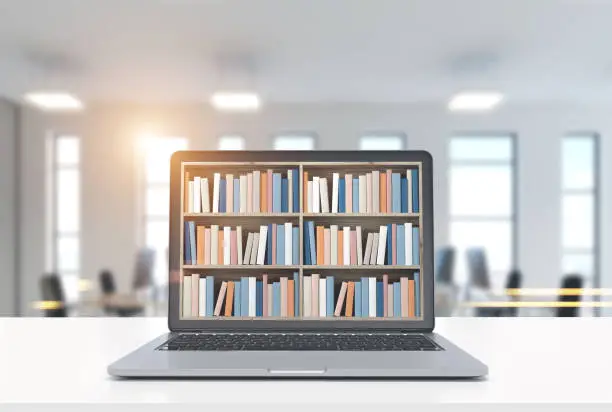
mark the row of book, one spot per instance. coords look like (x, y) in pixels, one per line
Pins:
(247, 297)
(256, 192)
(374, 192)
(394, 244)
(274, 244)
(366, 298)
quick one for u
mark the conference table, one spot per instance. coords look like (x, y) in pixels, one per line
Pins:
(539, 364)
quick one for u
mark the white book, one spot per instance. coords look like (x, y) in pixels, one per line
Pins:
(202, 297)
(254, 249)
(197, 195)
(363, 200)
(372, 296)
(374, 251)
(316, 195)
(256, 191)
(229, 194)
(348, 199)
(261, 248)
(382, 245)
(283, 302)
(214, 245)
(248, 249)
(290, 190)
(190, 197)
(250, 195)
(243, 194)
(369, 193)
(334, 245)
(359, 246)
(205, 195)
(309, 205)
(324, 195)
(239, 243)
(186, 296)
(322, 297)
(216, 183)
(227, 245)
(288, 244)
(252, 296)
(346, 247)
(307, 295)
(368, 249)
(335, 179)
(390, 306)
(409, 191)
(376, 191)
(408, 242)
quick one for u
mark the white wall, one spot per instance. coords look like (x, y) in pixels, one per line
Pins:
(110, 215)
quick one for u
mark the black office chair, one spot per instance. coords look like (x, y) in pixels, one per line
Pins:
(478, 269)
(570, 282)
(514, 281)
(107, 282)
(108, 287)
(445, 265)
(52, 291)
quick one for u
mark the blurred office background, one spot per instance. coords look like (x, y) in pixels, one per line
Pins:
(523, 172)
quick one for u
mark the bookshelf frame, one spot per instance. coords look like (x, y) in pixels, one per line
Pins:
(243, 162)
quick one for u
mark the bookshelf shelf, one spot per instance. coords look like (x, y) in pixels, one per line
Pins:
(242, 267)
(360, 267)
(362, 215)
(234, 215)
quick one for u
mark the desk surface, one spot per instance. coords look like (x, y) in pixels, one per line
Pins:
(531, 360)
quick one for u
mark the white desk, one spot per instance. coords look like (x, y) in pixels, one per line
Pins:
(60, 364)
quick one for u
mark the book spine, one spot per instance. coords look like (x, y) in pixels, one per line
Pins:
(324, 195)
(397, 300)
(372, 296)
(256, 191)
(229, 183)
(248, 248)
(395, 183)
(195, 283)
(389, 241)
(358, 299)
(409, 190)
(205, 195)
(365, 298)
(307, 296)
(415, 191)
(296, 191)
(186, 203)
(207, 246)
(237, 299)
(263, 207)
(269, 239)
(220, 299)
(389, 191)
(322, 298)
(333, 244)
(233, 248)
(243, 193)
(346, 247)
(417, 294)
(335, 192)
(411, 300)
(265, 296)
(280, 244)
(258, 298)
(390, 303)
(341, 196)
(315, 295)
(244, 299)
(283, 300)
(326, 247)
(353, 247)
(296, 294)
(186, 296)
(329, 290)
(375, 243)
(239, 254)
(350, 299)
(290, 190)
(404, 195)
(401, 245)
(186, 245)
(382, 244)
(307, 260)
(270, 192)
(355, 200)
(408, 243)
(341, 297)
(274, 244)
(276, 304)
(290, 298)
(270, 299)
(236, 195)
(320, 255)
(415, 246)
(404, 296)
(368, 249)
(307, 194)
(192, 242)
(385, 284)
(261, 251)
(348, 183)
(210, 295)
(379, 300)
(288, 244)
(316, 195)
(363, 201)
(254, 249)
(383, 192)
(227, 241)
(376, 191)
(216, 181)
(197, 195)
(359, 246)
(284, 195)
(222, 196)
(369, 194)
(229, 301)
(295, 251)
(276, 193)
(249, 205)
(202, 297)
(393, 249)
(312, 246)
(252, 296)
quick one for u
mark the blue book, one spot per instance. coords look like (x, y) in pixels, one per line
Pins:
(341, 196)
(404, 197)
(356, 195)
(210, 295)
(269, 245)
(236, 195)
(311, 240)
(192, 242)
(280, 244)
(284, 195)
(259, 298)
(415, 246)
(389, 251)
(380, 300)
(296, 295)
(187, 245)
(307, 244)
(401, 244)
(396, 204)
(296, 191)
(295, 244)
(276, 192)
(415, 190)
(222, 196)
(365, 298)
(357, 299)
(397, 300)
(417, 294)
(276, 298)
(329, 290)
(244, 296)
(237, 298)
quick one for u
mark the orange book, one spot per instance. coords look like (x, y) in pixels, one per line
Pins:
(290, 298)
(411, 299)
(220, 248)
(341, 247)
(320, 246)
(383, 192)
(263, 196)
(229, 301)
(305, 193)
(350, 297)
(200, 244)
(404, 296)
(186, 192)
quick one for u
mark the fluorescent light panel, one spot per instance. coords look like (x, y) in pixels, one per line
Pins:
(235, 101)
(475, 101)
(54, 101)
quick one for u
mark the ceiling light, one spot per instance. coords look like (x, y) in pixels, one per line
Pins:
(54, 101)
(230, 101)
(475, 101)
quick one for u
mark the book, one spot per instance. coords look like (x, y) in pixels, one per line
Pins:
(190, 197)
(227, 251)
(258, 298)
(340, 246)
(229, 301)
(382, 244)
(307, 296)
(205, 195)
(270, 238)
(283, 299)
(363, 200)
(192, 242)
(256, 191)
(276, 299)
(307, 257)
(220, 247)
(320, 244)
(186, 244)
(290, 190)
(291, 298)
(358, 299)
(315, 295)
(396, 206)
(270, 201)
(296, 191)
(316, 195)
(324, 195)
(355, 201)
(202, 297)
(404, 296)
(348, 184)
(393, 249)
(220, 298)
(369, 195)
(296, 294)
(335, 192)
(415, 191)
(261, 248)
(353, 248)
(222, 196)
(254, 249)
(271, 299)
(280, 244)
(186, 296)
(389, 191)
(397, 300)
(265, 295)
(236, 196)
(368, 249)
(210, 295)
(274, 244)
(379, 299)
(322, 298)
(359, 245)
(327, 246)
(372, 297)
(411, 300)
(390, 302)
(415, 246)
(341, 196)
(333, 245)
(197, 195)
(207, 243)
(385, 284)
(186, 192)
(243, 193)
(289, 244)
(365, 297)
(383, 192)
(237, 298)
(389, 240)
(350, 299)
(341, 297)
(404, 195)
(249, 205)
(284, 195)
(409, 191)
(248, 249)
(233, 248)
(346, 238)
(276, 192)
(401, 245)
(374, 252)
(263, 195)
(239, 255)
(252, 296)
(408, 243)
(376, 191)
(329, 290)
(295, 258)
(229, 184)
(417, 294)
(309, 194)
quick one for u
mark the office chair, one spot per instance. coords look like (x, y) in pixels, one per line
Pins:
(107, 282)
(445, 265)
(514, 281)
(570, 282)
(478, 270)
(446, 291)
(53, 291)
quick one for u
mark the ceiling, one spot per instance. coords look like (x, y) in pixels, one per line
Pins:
(308, 50)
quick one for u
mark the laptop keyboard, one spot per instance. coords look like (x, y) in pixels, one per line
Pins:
(300, 341)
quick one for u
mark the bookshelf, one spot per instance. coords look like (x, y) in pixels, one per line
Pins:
(250, 221)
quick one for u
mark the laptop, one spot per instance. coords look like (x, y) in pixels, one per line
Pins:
(301, 264)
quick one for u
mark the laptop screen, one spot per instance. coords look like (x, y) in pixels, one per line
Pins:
(301, 241)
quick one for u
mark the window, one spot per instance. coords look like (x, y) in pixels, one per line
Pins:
(578, 203)
(156, 153)
(482, 179)
(231, 143)
(294, 143)
(382, 142)
(65, 212)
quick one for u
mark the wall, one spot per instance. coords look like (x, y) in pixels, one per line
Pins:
(111, 184)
